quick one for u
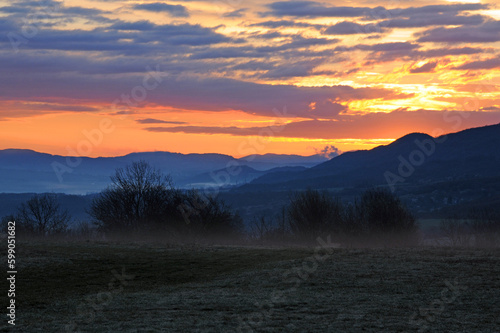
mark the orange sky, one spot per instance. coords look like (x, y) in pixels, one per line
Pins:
(100, 78)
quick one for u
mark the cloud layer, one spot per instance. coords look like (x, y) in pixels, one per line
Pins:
(342, 70)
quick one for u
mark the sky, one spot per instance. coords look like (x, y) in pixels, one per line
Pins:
(107, 78)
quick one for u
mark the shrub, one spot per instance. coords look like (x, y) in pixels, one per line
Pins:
(380, 211)
(207, 216)
(378, 216)
(311, 213)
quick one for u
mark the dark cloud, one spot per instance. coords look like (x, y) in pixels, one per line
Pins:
(174, 10)
(297, 43)
(432, 9)
(268, 35)
(337, 73)
(158, 121)
(21, 109)
(50, 13)
(389, 47)
(61, 107)
(254, 65)
(433, 20)
(236, 13)
(481, 64)
(81, 11)
(389, 125)
(426, 68)
(297, 69)
(137, 25)
(228, 52)
(494, 108)
(190, 93)
(125, 38)
(351, 28)
(241, 131)
(294, 47)
(26, 7)
(286, 24)
(487, 32)
(316, 9)
(441, 52)
(326, 109)
(382, 52)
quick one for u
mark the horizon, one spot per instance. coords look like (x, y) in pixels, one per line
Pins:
(236, 78)
(323, 153)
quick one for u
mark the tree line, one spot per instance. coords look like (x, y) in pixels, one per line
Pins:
(377, 217)
(142, 202)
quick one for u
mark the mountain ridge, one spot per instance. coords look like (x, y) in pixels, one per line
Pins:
(26, 170)
(451, 155)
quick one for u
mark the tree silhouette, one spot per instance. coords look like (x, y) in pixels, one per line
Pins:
(211, 216)
(312, 213)
(380, 211)
(140, 198)
(377, 216)
(41, 215)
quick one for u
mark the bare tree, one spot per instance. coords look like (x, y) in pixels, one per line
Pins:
(268, 230)
(485, 226)
(41, 215)
(140, 198)
(456, 231)
(260, 228)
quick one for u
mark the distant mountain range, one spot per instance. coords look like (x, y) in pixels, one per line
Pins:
(415, 159)
(30, 171)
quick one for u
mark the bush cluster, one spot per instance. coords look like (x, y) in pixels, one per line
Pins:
(376, 218)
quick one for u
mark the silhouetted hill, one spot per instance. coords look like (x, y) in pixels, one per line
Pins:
(29, 171)
(413, 159)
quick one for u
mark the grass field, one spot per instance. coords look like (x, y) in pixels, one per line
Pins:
(113, 287)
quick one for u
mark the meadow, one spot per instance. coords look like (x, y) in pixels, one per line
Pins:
(154, 287)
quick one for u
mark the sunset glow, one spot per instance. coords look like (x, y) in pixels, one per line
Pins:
(237, 77)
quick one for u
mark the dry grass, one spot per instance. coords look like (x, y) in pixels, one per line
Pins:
(230, 289)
